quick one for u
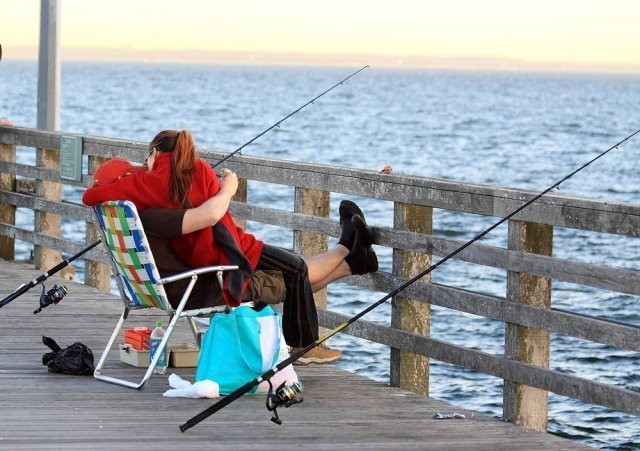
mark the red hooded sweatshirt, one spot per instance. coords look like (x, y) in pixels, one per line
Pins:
(151, 189)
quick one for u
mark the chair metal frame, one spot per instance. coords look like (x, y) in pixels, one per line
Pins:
(139, 282)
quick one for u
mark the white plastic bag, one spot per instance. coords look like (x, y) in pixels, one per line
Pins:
(185, 389)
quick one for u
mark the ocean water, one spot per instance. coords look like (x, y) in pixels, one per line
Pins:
(509, 129)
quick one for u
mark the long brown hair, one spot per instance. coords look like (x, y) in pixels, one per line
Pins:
(183, 157)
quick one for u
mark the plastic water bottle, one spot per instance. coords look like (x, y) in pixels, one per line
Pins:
(154, 342)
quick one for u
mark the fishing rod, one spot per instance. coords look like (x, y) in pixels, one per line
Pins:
(277, 124)
(273, 401)
(24, 288)
(54, 295)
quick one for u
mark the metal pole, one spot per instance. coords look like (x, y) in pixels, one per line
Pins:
(48, 119)
(49, 66)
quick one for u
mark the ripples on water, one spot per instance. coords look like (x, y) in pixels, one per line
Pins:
(524, 130)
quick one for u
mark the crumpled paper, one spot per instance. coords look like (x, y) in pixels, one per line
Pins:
(185, 389)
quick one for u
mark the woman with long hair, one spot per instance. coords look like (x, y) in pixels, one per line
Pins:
(177, 178)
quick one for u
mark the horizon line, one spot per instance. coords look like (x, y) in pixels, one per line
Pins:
(322, 59)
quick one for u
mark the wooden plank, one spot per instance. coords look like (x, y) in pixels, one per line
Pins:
(40, 173)
(31, 137)
(557, 210)
(7, 210)
(565, 270)
(573, 387)
(408, 370)
(595, 329)
(315, 204)
(43, 411)
(552, 209)
(526, 405)
(65, 246)
(64, 208)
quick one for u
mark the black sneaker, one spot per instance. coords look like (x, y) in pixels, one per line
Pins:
(347, 210)
(362, 259)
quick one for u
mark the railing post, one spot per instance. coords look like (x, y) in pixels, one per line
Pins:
(524, 405)
(312, 202)
(410, 371)
(47, 223)
(96, 274)
(7, 211)
(241, 196)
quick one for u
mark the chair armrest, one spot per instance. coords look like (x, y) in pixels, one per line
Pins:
(197, 272)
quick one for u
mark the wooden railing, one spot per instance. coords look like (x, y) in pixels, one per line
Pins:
(525, 308)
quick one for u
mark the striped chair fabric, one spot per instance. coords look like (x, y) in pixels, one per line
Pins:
(125, 238)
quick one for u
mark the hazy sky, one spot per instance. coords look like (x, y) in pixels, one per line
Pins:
(584, 32)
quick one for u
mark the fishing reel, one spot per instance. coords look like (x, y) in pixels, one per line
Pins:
(53, 296)
(284, 395)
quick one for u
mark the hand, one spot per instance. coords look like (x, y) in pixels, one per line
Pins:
(5, 121)
(229, 181)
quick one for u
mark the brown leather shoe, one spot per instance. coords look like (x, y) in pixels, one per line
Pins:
(319, 355)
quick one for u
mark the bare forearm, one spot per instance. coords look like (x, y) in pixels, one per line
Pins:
(207, 214)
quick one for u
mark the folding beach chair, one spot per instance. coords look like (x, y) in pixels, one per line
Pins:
(138, 280)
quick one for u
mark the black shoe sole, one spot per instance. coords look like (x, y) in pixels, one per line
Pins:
(371, 259)
(363, 233)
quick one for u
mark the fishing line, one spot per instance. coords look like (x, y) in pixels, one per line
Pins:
(277, 124)
(291, 359)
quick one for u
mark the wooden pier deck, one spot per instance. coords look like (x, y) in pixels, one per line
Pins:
(341, 410)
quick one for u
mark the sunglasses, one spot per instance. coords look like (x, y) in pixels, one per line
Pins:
(150, 152)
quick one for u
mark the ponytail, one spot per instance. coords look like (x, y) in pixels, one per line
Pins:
(182, 165)
(183, 157)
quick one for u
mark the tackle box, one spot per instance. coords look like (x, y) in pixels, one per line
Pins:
(138, 337)
(134, 357)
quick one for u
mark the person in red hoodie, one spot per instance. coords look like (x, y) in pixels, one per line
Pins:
(176, 179)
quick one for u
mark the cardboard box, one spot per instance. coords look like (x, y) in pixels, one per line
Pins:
(138, 337)
(183, 356)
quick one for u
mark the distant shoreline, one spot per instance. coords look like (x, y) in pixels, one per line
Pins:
(302, 59)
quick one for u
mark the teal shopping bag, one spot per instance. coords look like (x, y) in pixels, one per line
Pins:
(239, 346)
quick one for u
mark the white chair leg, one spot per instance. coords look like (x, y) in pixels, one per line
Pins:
(97, 373)
(147, 375)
